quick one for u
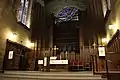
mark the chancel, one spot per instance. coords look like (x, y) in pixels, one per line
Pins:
(59, 36)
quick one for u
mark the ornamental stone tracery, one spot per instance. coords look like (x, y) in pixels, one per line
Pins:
(56, 6)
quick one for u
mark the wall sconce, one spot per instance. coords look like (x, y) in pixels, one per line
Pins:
(12, 36)
(113, 27)
(29, 44)
(104, 40)
(101, 51)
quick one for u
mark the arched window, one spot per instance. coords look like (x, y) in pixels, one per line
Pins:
(68, 14)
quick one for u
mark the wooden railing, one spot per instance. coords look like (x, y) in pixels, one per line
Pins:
(114, 44)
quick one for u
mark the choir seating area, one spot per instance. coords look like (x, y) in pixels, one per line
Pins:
(77, 65)
(68, 62)
(73, 65)
(81, 61)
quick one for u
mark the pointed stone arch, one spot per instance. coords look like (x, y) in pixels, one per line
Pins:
(56, 6)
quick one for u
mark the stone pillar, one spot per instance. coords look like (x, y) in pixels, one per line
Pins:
(73, 55)
(51, 24)
(62, 55)
(46, 61)
(66, 55)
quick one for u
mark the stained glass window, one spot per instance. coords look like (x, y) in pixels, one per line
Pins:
(106, 5)
(67, 14)
(23, 12)
(20, 11)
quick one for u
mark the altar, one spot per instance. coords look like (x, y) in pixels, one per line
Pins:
(58, 65)
(51, 64)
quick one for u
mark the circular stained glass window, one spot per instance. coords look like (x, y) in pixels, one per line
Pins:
(67, 14)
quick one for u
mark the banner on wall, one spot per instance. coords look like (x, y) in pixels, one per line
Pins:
(101, 51)
(45, 61)
(58, 61)
(53, 58)
(40, 61)
(10, 56)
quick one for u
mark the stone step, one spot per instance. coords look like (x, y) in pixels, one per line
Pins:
(49, 78)
(60, 74)
(19, 72)
(51, 73)
(19, 75)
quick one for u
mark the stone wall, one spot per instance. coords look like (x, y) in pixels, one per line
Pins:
(9, 27)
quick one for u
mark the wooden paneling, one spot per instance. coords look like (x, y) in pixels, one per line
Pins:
(114, 64)
(113, 45)
(66, 34)
(20, 60)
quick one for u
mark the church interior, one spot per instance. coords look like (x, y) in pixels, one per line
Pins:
(59, 35)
